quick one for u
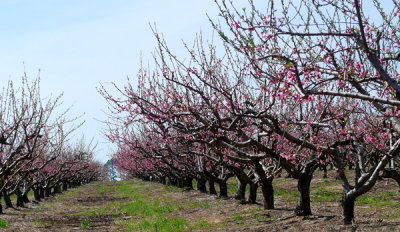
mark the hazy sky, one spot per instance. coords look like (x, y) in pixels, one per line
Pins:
(78, 44)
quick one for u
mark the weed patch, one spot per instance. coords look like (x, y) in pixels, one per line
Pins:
(3, 223)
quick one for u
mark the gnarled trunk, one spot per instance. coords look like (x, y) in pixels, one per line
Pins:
(253, 193)
(223, 189)
(201, 185)
(36, 194)
(25, 198)
(47, 192)
(348, 209)
(20, 200)
(65, 186)
(7, 200)
(41, 191)
(241, 190)
(211, 184)
(189, 183)
(303, 204)
(268, 193)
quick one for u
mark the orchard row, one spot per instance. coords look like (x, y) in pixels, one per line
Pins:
(36, 154)
(292, 87)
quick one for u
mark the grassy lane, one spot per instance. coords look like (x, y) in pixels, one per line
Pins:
(143, 206)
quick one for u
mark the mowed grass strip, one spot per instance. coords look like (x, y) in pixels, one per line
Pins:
(145, 211)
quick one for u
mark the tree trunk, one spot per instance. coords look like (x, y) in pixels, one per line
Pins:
(47, 192)
(211, 184)
(65, 186)
(268, 193)
(189, 183)
(223, 189)
(20, 201)
(253, 193)
(303, 204)
(201, 185)
(7, 200)
(324, 167)
(41, 190)
(348, 209)
(241, 190)
(180, 183)
(25, 198)
(58, 188)
(36, 194)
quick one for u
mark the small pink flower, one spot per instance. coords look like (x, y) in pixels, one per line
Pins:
(237, 24)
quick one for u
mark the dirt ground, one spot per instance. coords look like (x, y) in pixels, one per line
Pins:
(203, 212)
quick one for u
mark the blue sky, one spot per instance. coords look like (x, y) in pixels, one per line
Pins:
(78, 44)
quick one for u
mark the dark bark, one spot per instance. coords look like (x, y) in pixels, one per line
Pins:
(348, 209)
(57, 188)
(180, 183)
(223, 189)
(7, 200)
(189, 183)
(303, 204)
(36, 194)
(47, 192)
(65, 186)
(266, 186)
(41, 190)
(253, 193)
(20, 201)
(241, 190)
(201, 185)
(211, 184)
(268, 193)
(25, 198)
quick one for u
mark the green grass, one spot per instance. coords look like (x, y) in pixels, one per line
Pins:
(325, 196)
(237, 218)
(86, 223)
(3, 223)
(287, 195)
(377, 201)
(146, 213)
(201, 224)
(170, 188)
(65, 196)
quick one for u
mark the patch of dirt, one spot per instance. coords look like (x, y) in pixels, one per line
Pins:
(97, 200)
(53, 214)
